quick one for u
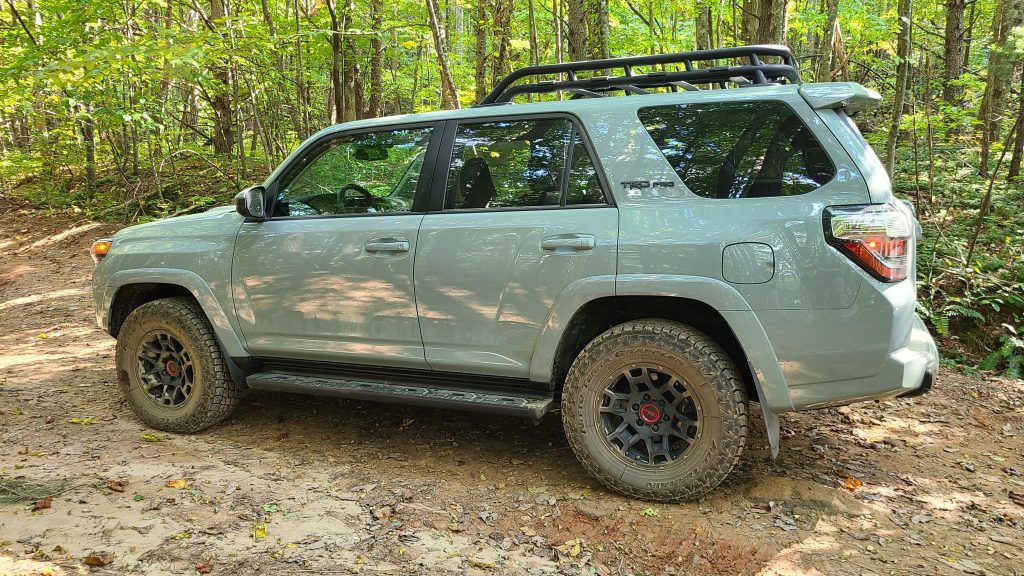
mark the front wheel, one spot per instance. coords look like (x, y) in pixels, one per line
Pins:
(171, 368)
(656, 410)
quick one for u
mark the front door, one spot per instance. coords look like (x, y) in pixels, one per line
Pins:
(329, 277)
(524, 216)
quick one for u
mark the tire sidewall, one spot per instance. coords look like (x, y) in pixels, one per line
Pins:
(701, 466)
(140, 325)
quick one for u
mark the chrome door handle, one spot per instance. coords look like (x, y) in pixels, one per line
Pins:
(570, 241)
(387, 245)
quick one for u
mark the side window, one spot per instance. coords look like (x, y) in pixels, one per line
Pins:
(584, 186)
(520, 163)
(375, 172)
(739, 149)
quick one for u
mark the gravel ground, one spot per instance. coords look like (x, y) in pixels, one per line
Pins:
(304, 485)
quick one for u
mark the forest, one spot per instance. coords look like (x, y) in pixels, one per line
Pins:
(131, 110)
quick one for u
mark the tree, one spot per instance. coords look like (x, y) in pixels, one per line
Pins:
(449, 95)
(904, 47)
(953, 51)
(219, 94)
(1001, 58)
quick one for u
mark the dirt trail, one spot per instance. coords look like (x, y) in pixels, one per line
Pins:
(303, 485)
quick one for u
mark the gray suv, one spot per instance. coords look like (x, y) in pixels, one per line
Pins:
(650, 251)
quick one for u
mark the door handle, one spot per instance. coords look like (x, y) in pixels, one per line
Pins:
(387, 245)
(570, 241)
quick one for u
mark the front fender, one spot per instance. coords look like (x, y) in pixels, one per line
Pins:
(192, 282)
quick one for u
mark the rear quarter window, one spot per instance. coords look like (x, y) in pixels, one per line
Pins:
(739, 149)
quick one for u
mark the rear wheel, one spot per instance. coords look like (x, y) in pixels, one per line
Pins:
(171, 369)
(655, 409)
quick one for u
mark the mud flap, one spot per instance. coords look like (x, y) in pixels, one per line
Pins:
(771, 419)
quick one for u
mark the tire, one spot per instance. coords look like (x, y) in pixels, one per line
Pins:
(683, 439)
(167, 348)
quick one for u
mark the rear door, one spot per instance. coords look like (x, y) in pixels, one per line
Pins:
(521, 214)
(329, 276)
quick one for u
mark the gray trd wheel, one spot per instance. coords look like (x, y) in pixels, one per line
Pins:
(171, 369)
(656, 410)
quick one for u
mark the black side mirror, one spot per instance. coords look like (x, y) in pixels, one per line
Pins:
(250, 202)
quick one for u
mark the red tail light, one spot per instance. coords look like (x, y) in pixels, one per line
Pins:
(875, 236)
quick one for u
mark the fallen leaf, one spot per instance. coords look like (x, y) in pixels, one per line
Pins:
(82, 421)
(271, 508)
(575, 549)
(152, 438)
(259, 530)
(43, 336)
(1017, 497)
(852, 483)
(138, 497)
(42, 504)
(178, 484)
(117, 484)
(205, 567)
(98, 559)
(649, 512)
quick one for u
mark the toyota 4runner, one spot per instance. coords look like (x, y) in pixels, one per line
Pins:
(712, 235)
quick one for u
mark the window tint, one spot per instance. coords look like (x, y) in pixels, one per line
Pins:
(519, 164)
(375, 172)
(739, 149)
(584, 187)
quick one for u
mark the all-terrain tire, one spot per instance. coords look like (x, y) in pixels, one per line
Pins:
(213, 393)
(716, 392)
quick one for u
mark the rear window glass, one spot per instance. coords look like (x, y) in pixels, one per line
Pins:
(739, 149)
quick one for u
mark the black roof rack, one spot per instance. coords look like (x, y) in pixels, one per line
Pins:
(755, 72)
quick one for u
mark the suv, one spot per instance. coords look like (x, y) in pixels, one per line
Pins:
(651, 262)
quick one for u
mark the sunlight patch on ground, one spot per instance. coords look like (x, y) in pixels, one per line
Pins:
(56, 294)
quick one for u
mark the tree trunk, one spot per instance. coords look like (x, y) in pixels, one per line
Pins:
(220, 97)
(1000, 72)
(534, 47)
(764, 21)
(375, 107)
(823, 72)
(338, 111)
(501, 47)
(906, 12)
(480, 50)
(576, 30)
(702, 25)
(953, 54)
(88, 128)
(597, 28)
(1018, 142)
(449, 95)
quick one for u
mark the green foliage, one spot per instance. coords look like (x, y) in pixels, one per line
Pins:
(1009, 354)
(118, 110)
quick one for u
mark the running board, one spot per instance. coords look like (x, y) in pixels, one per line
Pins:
(492, 401)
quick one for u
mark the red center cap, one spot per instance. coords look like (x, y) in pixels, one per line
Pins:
(171, 367)
(650, 413)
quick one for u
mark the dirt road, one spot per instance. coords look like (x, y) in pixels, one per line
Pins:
(303, 485)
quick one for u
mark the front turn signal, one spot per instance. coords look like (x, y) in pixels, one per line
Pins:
(100, 248)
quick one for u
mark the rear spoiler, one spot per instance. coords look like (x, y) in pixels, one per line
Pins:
(849, 96)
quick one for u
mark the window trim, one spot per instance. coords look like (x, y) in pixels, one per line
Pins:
(810, 129)
(447, 149)
(311, 150)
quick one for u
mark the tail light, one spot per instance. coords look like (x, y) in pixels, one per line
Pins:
(875, 236)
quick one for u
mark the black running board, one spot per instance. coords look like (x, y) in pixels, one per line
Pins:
(492, 401)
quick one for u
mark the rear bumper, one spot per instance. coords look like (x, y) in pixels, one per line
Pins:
(909, 371)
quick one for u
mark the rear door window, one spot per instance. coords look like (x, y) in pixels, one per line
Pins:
(535, 162)
(739, 149)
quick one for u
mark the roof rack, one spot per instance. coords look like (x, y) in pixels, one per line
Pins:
(754, 73)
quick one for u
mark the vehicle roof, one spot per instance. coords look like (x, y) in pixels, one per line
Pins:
(581, 106)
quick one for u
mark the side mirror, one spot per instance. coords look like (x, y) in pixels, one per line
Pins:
(250, 202)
